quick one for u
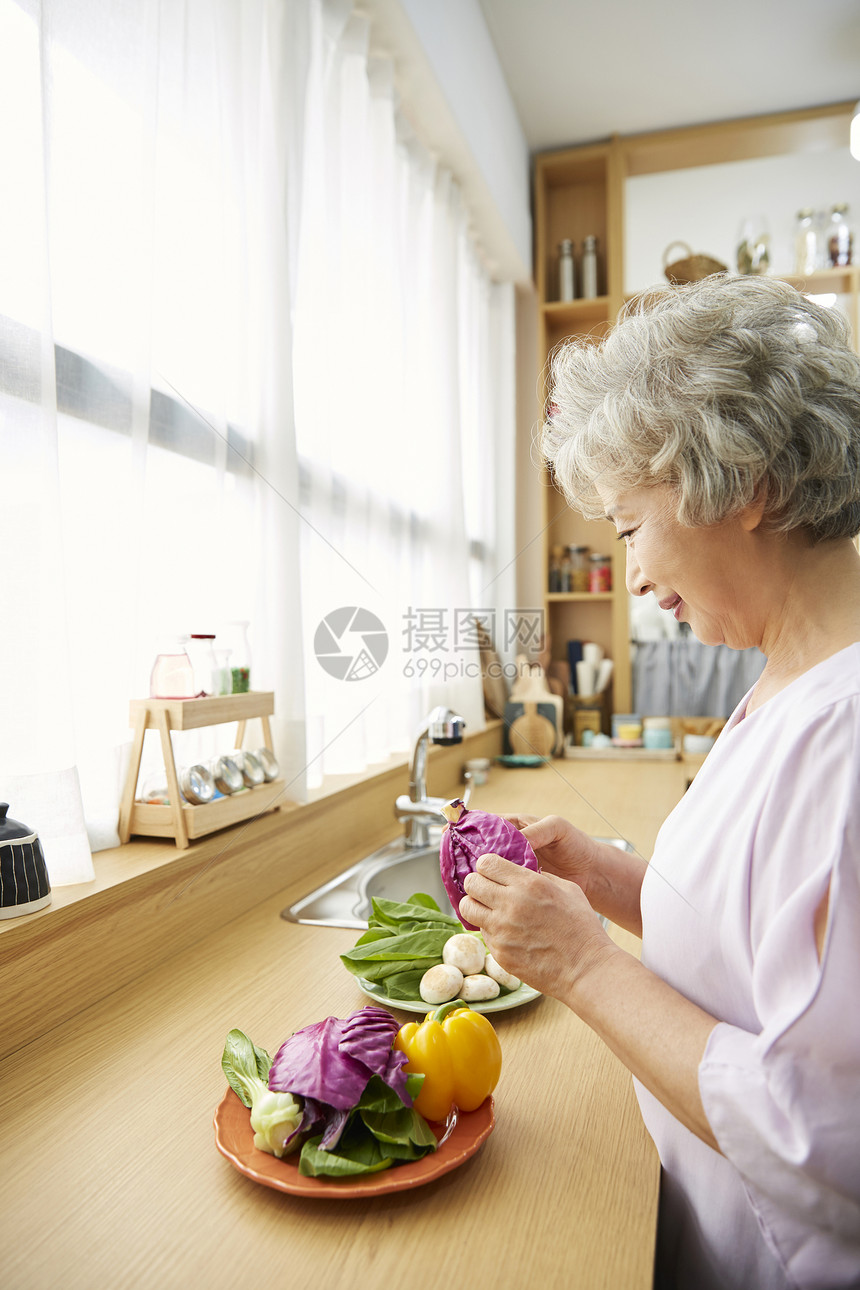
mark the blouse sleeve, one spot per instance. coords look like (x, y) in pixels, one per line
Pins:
(784, 1104)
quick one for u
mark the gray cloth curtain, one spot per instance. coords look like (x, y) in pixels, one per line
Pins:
(684, 678)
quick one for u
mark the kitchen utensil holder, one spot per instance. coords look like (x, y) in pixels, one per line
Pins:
(178, 819)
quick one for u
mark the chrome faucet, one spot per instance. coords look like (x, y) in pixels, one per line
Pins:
(418, 810)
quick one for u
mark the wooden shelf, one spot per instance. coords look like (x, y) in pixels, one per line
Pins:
(576, 311)
(178, 819)
(156, 820)
(584, 597)
(579, 193)
(194, 714)
(573, 752)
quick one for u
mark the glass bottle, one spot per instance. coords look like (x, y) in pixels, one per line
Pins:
(806, 242)
(753, 250)
(839, 239)
(236, 633)
(202, 655)
(600, 573)
(578, 568)
(589, 268)
(555, 559)
(565, 270)
(565, 570)
(172, 675)
(223, 673)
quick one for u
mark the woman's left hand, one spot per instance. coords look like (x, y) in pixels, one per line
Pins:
(540, 927)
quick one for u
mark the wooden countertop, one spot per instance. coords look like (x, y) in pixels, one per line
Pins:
(110, 1175)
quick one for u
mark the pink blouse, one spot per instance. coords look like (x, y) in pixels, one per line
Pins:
(728, 904)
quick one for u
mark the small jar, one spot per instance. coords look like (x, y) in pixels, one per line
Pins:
(227, 775)
(172, 675)
(252, 771)
(479, 770)
(599, 574)
(197, 785)
(578, 568)
(839, 239)
(269, 763)
(657, 733)
(565, 270)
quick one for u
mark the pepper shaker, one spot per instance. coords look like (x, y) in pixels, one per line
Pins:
(565, 270)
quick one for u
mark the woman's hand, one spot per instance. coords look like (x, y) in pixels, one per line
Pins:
(540, 927)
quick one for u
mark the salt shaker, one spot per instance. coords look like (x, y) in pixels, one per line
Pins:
(565, 270)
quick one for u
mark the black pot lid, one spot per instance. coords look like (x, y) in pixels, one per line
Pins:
(11, 830)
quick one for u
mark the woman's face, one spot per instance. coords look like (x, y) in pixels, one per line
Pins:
(704, 576)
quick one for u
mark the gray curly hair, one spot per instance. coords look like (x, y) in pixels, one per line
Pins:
(718, 389)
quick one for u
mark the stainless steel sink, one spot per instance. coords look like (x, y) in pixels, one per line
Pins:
(395, 872)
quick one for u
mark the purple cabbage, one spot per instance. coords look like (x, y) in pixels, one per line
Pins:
(333, 1060)
(475, 834)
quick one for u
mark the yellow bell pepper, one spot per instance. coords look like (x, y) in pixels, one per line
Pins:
(458, 1053)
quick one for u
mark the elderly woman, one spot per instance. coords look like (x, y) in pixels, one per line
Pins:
(718, 426)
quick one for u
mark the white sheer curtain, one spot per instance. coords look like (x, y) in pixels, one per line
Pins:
(220, 244)
(403, 415)
(151, 157)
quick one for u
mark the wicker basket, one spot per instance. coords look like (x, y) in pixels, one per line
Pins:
(691, 268)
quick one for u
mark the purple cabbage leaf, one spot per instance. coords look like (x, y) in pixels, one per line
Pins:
(332, 1060)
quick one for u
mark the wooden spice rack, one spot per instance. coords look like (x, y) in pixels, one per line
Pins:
(179, 819)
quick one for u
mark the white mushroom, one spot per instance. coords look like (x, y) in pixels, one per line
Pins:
(478, 988)
(465, 952)
(440, 983)
(498, 973)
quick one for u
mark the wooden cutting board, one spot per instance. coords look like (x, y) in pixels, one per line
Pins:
(532, 734)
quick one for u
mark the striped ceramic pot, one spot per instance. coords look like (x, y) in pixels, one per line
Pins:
(24, 885)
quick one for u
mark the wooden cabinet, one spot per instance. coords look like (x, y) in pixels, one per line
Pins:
(578, 193)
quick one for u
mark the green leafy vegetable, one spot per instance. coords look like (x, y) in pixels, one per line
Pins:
(275, 1117)
(380, 1132)
(403, 940)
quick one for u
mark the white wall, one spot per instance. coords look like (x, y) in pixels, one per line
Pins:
(704, 206)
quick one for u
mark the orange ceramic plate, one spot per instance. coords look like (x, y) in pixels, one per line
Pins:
(234, 1138)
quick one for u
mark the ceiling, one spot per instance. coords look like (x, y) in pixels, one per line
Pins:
(580, 71)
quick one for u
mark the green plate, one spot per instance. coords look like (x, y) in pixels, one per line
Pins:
(522, 759)
(501, 1003)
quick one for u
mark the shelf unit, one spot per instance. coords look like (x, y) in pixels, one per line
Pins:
(580, 192)
(180, 820)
